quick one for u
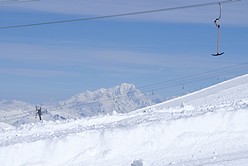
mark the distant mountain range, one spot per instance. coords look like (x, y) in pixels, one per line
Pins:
(120, 99)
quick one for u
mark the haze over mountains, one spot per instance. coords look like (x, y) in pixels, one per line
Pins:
(120, 99)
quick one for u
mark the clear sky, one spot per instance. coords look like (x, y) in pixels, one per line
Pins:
(53, 62)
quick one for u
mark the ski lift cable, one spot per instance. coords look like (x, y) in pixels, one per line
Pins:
(193, 75)
(179, 82)
(120, 15)
(188, 81)
(7, 2)
(165, 86)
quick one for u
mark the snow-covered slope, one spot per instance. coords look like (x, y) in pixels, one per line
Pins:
(208, 127)
(225, 92)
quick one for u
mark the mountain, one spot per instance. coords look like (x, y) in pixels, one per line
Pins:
(207, 127)
(18, 112)
(15, 112)
(120, 99)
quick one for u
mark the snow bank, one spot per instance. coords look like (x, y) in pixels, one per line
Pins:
(159, 142)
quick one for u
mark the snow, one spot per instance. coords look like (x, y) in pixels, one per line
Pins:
(5, 126)
(121, 99)
(208, 127)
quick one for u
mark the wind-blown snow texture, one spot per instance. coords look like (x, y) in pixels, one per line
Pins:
(208, 127)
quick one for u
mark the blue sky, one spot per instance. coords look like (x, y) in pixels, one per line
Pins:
(53, 62)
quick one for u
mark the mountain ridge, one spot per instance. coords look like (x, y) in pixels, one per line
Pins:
(122, 98)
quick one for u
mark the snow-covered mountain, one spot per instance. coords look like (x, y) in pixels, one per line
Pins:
(15, 112)
(18, 112)
(121, 99)
(208, 127)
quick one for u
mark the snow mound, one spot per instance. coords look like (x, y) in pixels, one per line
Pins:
(117, 140)
(5, 126)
